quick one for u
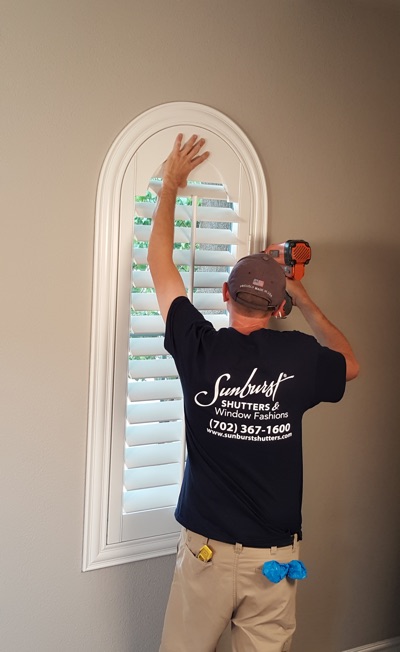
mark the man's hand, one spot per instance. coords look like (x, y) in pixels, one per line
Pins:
(167, 280)
(182, 160)
(297, 291)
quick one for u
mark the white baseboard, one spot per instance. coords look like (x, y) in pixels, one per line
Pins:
(392, 644)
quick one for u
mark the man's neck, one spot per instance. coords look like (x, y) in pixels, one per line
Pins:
(247, 325)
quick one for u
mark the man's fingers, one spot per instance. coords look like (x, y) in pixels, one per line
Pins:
(192, 146)
(195, 158)
(197, 147)
(199, 159)
(177, 144)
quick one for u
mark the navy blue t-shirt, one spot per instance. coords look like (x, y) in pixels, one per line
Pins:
(244, 398)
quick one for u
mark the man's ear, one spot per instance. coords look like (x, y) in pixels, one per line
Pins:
(225, 291)
(279, 311)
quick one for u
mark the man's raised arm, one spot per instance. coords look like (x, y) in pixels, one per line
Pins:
(325, 332)
(166, 278)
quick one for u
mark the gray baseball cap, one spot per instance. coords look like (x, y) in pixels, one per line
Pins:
(257, 281)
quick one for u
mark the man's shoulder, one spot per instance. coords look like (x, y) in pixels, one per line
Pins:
(181, 311)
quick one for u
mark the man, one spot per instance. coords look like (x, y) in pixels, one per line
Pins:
(245, 390)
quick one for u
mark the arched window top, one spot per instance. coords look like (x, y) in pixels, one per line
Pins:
(156, 129)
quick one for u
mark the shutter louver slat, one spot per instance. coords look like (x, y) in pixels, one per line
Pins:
(158, 368)
(202, 300)
(144, 301)
(142, 279)
(152, 412)
(202, 257)
(140, 255)
(206, 190)
(182, 235)
(152, 455)
(204, 213)
(209, 236)
(145, 525)
(155, 389)
(152, 476)
(147, 324)
(147, 346)
(154, 498)
(207, 279)
(208, 301)
(154, 433)
(201, 279)
(152, 324)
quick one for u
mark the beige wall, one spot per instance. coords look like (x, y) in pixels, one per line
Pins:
(315, 85)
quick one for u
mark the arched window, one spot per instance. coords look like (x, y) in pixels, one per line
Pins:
(136, 450)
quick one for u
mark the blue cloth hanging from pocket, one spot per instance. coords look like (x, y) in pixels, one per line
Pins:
(275, 571)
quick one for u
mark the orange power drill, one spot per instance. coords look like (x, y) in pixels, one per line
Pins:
(293, 256)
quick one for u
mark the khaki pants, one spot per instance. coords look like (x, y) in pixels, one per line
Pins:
(206, 596)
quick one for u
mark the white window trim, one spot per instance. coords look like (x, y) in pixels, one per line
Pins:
(97, 553)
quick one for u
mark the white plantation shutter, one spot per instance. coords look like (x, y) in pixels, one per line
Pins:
(154, 440)
(136, 444)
